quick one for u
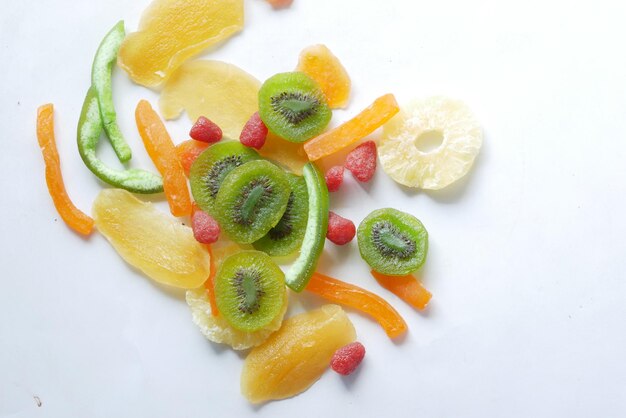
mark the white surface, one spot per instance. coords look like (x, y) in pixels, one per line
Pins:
(526, 255)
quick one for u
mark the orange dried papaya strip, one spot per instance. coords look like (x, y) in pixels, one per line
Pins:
(163, 153)
(360, 299)
(363, 124)
(407, 288)
(210, 284)
(188, 151)
(73, 217)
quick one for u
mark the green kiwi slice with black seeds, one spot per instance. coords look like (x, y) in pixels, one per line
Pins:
(249, 290)
(392, 242)
(293, 106)
(287, 235)
(251, 200)
(211, 167)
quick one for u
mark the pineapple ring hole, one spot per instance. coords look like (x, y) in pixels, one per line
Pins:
(429, 141)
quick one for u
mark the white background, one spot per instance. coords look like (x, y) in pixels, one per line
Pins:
(526, 259)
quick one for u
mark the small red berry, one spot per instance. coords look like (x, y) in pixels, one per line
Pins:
(254, 132)
(334, 178)
(206, 131)
(340, 230)
(362, 161)
(205, 229)
(347, 358)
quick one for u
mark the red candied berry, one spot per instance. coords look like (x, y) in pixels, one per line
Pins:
(340, 230)
(362, 161)
(334, 178)
(205, 229)
(347, 358)
(206, 131)
(254, 132)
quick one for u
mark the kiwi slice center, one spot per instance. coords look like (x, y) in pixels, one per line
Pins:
(285, 225)
(251, 198)
(248, 289)
(220, 169)
(294, 106)
(390, 241)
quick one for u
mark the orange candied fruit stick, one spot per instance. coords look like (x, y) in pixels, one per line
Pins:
(188, 151)
(163, 153)
(355, 297)
(363, 124)
(407, 288)
(73, 217)
(210, 284)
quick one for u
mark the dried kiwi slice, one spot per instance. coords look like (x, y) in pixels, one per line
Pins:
(251, 200)
(250, 290)
(287, 235)
(211, 167)
(293, 106)
(392, 242)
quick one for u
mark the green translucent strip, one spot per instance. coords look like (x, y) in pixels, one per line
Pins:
(315, 235)
(105, 58)
(89, 132)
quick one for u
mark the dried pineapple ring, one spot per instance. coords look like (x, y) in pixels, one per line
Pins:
(405, 163)
(218, 330)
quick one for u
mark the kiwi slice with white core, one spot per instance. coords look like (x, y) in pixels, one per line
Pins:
(293, 106)
(392, 242)
(249, 290)
(251, 200)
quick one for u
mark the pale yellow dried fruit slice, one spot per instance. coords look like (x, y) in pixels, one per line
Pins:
(222, 92)
(449, 119)
(171, 31)
(294, 357)
(150, 240)
(217, 328)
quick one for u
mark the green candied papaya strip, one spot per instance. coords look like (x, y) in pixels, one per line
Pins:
(303, 268)
(89, 132)
(105, 58)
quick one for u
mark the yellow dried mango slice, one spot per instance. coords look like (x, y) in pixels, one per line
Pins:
(150, 240)
(171, 31)
(295, 356)
(222, 92)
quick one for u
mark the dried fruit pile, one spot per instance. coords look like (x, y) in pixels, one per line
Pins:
(248, 182)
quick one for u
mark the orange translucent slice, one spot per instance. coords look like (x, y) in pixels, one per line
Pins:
(407, 288)
(222, 92)
(294, 357)
(363, 124)
(171, 31)
(188, 151)
(321, 65)
(150, 240)
(347, 294)
(288, 154)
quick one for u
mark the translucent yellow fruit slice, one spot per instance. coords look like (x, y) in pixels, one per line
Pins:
(321, 65)
(293, 358)
(288, 154)
(222, 92)
(171, 31)
(150, 240)
(218, 330)
(430, 144)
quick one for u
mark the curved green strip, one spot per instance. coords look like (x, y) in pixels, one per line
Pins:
(105, 58)
(315, 235)
(89, 131)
